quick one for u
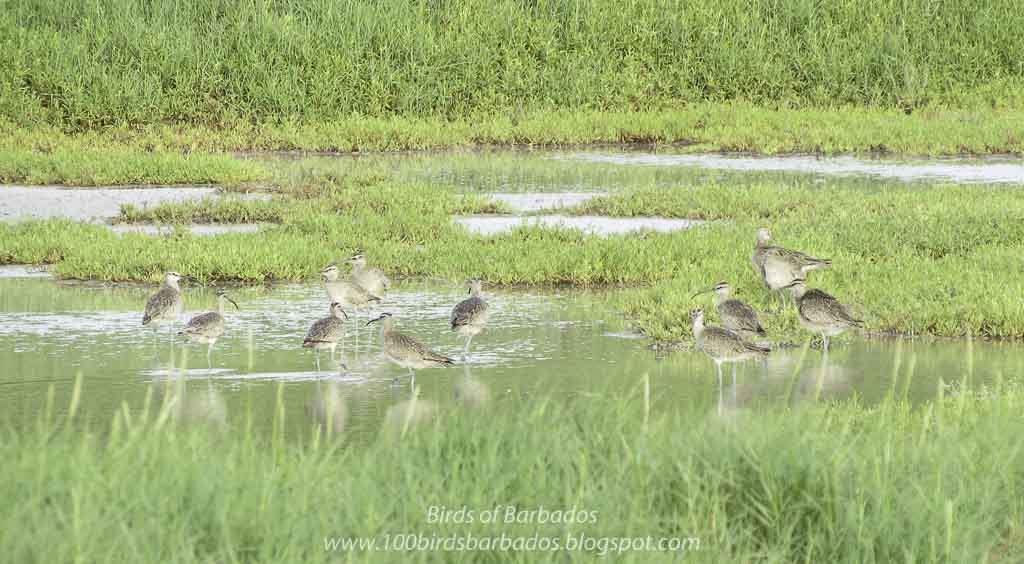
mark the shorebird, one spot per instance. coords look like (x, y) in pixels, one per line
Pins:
(736, 315)
(722, 345)
(406, 351)
(778, 266)
(821, 313)
(373, 280)
(208, 327)
(469, 317)
(346, 292)
(166, 305)
(325, 332)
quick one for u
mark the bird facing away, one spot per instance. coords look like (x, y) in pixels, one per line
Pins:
(821, 313)
(722, 345)
(778, 266)
(406, 351)
(166, 304)
(208, 327)
(736, 315)
(469, 317)
(373, 280)
(325, 332)
(345, 292)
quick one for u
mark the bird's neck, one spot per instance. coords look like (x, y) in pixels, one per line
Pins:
(721, 297)
(799, 292)
(220, 305)
(698, 328)
(474, 292)
(172, 284)
(357, 268)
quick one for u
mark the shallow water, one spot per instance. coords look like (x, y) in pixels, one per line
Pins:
(537, 343)
(600, 225)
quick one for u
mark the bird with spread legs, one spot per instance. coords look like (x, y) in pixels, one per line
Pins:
(821, 313)
(166, 305)
(778, 266)
(373, 280)
(325, 332)
(721, 346)
(469, 317)
(406, 351)
(736, 316)
(208, 327)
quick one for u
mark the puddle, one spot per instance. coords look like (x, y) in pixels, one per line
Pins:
(194, 228)
(25, 203)
(531, 202)
(982, 170)
(24, 271)
(560, 343)
(599, 225)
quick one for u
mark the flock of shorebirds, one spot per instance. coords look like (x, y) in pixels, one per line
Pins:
(782, 270)
(363, 287)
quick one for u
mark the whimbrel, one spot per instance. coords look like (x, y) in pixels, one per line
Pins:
(325, 332)
(821, 313)
(722, 345)
(470, 315)
(736, 315)
(346, 292)
(373, 280)
(208, 327)
(778, 266)
(406, 351)
(166, 305)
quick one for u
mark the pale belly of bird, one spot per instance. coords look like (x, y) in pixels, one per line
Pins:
(813, 323)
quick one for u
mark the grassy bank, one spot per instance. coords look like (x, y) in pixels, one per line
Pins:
(910, 259)
(88, 66)
(839, 483)
(171, 154)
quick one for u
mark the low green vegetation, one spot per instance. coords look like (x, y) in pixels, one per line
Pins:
(824, 483)
(910, 259)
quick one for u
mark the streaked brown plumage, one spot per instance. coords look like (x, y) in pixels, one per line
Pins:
(778, 266)
(469, 317)
(166, 304)
(736, 316)
(325, 332)
(406, 351)
(821, 313)
(208, 327)
(721, 346)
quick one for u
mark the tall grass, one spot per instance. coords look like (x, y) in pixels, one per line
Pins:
(83, 65)
(829, 483)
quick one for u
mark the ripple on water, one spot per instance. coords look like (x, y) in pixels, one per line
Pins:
(598, 225)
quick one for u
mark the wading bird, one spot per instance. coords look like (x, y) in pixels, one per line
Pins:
(166, 305)
(736, 315)
(778, 266)
(346, 292)
(325, 332)
(722, 345)
(821, 313)
(373, 280)
(208, 327)
(406, 351)
(469, 317)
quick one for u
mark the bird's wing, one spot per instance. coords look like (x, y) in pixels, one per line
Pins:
(466, 311)
(744, 315)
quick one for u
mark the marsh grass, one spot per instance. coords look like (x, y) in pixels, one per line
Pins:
(909, 259)
(827, 483)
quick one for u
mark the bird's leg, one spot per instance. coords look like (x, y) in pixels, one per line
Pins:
(826, 343)
(734, 384)
(465, 351)
(209, 356)
(317, 359)
(718, 366)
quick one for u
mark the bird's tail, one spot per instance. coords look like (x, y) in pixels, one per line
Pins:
(372, 298)
(812, 263)
(310, 343)
(441, 359)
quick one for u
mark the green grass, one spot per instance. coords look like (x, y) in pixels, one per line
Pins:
(827, 483)
(114, 62)
(910, 259)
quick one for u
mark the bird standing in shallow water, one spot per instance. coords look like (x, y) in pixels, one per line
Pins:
(406, 351)
(821, 313)
(325, 332)
(373, 280)
(778, 266)
(346, 292)
(736, 315)
(469, 317)
(166, 305)
(722, 345)
(208, 327)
